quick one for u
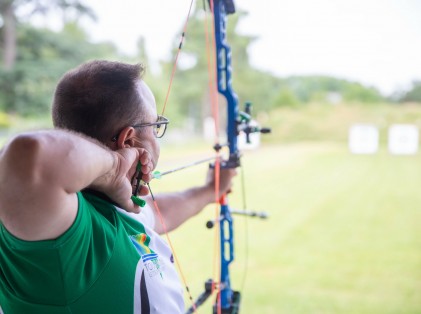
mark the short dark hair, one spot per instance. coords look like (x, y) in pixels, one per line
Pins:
(98, 98)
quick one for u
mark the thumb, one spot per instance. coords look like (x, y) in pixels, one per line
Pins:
(132, 205)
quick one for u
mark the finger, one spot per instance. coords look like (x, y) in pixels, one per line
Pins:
(131, 207)
(147, 177)
(143, 191)
(144, 156)
(146, 165)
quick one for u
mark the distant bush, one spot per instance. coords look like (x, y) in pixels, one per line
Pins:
(307, 89)
(414, 94)
(320, 122)
(5, 121)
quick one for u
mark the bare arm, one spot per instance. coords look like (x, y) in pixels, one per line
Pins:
(41, 172)
(177, 207)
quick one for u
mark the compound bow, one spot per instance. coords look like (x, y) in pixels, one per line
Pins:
(228, 300)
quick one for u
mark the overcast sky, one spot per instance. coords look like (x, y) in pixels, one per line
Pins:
(377, 42)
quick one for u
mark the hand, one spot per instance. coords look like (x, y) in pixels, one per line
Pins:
(118, 186)
(225, 180)
(144, 175)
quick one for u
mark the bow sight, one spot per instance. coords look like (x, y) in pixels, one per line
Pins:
(244, 124)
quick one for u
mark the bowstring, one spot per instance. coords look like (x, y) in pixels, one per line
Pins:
(246, 226)
(177, 261)
(156, 206)
(213, 93)
(180, 46)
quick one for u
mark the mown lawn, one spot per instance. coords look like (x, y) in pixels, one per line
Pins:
(344, 234)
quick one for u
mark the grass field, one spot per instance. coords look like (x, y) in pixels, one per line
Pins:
(344, 234)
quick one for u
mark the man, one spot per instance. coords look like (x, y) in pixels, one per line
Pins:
(72, 240)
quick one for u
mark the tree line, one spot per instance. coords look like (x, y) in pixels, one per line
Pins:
(34, 58)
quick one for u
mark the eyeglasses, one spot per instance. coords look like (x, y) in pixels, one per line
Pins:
(160, 126)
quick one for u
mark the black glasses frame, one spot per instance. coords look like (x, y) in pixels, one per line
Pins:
(161, 121)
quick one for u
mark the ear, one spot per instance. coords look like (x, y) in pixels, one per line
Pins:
(126, 138)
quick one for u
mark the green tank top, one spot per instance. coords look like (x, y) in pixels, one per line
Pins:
(91, 268)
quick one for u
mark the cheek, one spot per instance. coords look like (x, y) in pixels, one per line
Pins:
(156, 153)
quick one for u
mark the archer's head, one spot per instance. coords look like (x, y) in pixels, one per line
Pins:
(109, 101)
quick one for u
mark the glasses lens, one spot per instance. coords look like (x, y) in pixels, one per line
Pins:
(160, 128)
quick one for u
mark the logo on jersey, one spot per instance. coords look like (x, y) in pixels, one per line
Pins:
(151, 261)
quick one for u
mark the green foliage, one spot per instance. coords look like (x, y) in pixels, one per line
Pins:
(321, 122)
(4, 120)
(286, 98)
(7, 89)
(320, 88)
(414, 94)
(356, 92)
(43, 57)
(190, 92)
